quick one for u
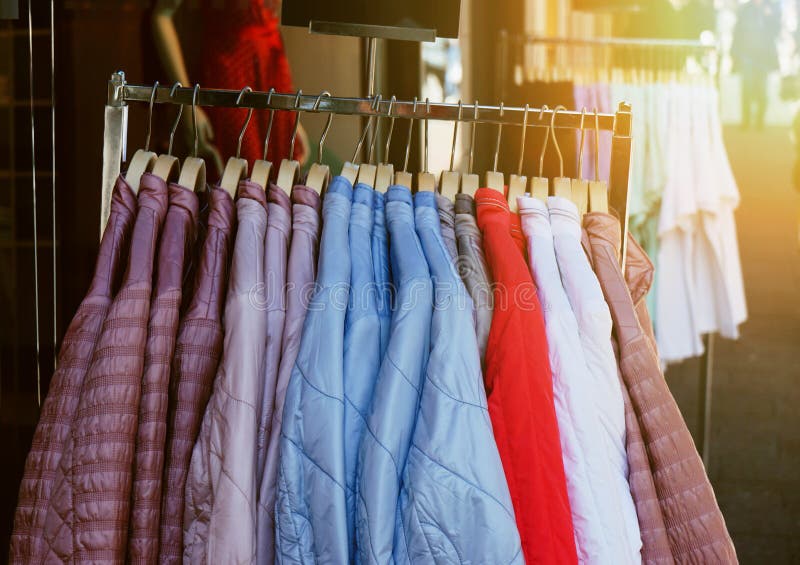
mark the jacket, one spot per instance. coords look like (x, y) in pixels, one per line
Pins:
(362, 343)
(382, 268)
(301, 273)
(695, 526)
(175, 245)
(390, 422)
(219, 520)
(50, 440)
(278, 240)
(447, 224)
(454, 490)
(519, 388)
(198, 349)
(609, 464)
(311, 509)
(104, 431)
(473, 269)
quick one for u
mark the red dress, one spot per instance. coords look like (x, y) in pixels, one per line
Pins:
(519, 387)
(242, 46)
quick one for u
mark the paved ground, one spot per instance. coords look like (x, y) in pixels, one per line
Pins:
(755, 438)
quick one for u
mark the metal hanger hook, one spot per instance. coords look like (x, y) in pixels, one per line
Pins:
(246, 121)
(544, 109)
(325, 131)
(194, 117)
(580, 150)
(150, 116)
(522, 141)
(556, 110)
(472, 137)
(427, 111)
(499, 135)
(296, 123)
(177, 119)
(269, 125)
(410, 131)
(363, 136)
(376, 107)
(389, 113)
(455, 136)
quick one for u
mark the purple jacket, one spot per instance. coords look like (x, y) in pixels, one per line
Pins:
(175, 248)
(197, 352)
(59, 408)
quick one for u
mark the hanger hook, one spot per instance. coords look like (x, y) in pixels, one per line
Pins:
(410, 131)
(580, 150)
(150, 116)
(296, 123)
(177, 120)
(427, 111)
(544, 109)
(522, 141)
(391, 127)
(499, 135)
(455, 136)
(195, 93)
(472, 137)
(556, 110)
(366, 129)
(322, 137)
(376, 107)
(269, 124)
(597, 145)
(246, 121)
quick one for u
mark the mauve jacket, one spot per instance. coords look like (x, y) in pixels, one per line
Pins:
(90, 521)
(58, 410)
(300, 277)
(695, 526)
(175, 247)
(276, 253)
(197, 352)
(220, 513)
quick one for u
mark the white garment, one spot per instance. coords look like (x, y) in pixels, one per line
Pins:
(578, 424)
(609, 468)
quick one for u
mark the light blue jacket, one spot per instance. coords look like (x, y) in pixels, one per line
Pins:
(311, 512)
(455, 505)
(380, 263)
(362, 358)
(390, 424)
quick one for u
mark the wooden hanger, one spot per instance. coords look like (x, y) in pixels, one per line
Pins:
(385, 174)
(562, 186)
(580, 187)
(167, 166)
(289, 169)
(236, 167)
(319, 175)
(426, 182)
(518, 182)
(403, 178)
(262, 169)
(494, 179)
(451, 180)
(143, 160)
(540, 186)
(598, 190)
(470, 181)
(193, 172)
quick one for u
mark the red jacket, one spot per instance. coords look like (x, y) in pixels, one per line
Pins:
(519, 388)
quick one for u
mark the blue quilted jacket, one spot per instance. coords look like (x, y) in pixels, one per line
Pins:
(311, 513)
(455, 505)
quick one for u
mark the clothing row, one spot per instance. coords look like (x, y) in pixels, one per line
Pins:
(369, 377)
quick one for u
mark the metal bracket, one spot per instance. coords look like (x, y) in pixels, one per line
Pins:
(366, 30)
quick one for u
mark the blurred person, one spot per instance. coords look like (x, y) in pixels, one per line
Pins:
(755, 55)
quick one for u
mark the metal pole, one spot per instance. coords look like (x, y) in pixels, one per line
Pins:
(372, 49)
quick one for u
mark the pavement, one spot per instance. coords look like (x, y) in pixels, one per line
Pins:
(754, 446)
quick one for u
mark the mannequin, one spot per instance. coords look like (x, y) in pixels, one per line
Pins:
(241, 46)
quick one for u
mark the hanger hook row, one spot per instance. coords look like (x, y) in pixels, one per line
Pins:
(390, 113)
(427, 112)
(367, 128)
(522, 141)
(195, 94)
(325, 131)
(296, 123)
(499, 135)
(376, 122)
(556, 110)
(544, 109)
(150, 116)
(246, 121)
(455, 135)
(269, 124)
(177, 119)
(582, 143)
(410, 132)
(472, 137)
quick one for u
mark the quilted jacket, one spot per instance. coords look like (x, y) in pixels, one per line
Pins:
(300, 277)
(455, 504)
(310, 512)
(695, 526)
(390, 422)
(276, 255)
(61, 403)
(381, 266)
(90, 520)
(175, 247)
(197, 352)
(220, 513)
(447, 224)
(362, 343)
